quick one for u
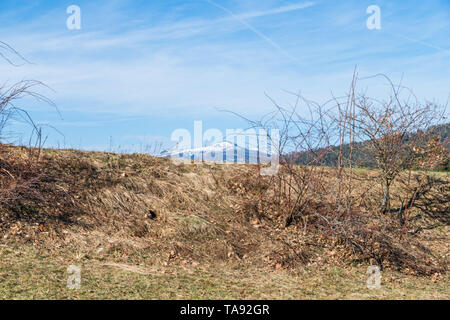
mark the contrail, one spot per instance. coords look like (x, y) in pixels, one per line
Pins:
(258, 33)
(426, 44)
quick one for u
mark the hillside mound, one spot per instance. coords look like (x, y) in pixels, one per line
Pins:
(133, 206)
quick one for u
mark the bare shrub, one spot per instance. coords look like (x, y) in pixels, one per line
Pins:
(337, 204)
(18, 176)
(395, 130)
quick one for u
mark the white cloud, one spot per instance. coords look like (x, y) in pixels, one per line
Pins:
(186, 65)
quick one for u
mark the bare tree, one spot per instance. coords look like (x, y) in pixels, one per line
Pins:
(10, 95)
(304, 127)
(11, 55)
(395, 132)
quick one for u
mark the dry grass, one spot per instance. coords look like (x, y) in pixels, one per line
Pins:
(142, 227)
(26, 273)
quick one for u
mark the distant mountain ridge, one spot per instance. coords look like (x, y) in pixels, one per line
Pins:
(218, 152)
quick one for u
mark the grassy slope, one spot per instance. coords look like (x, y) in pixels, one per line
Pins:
(197, 248)
(26, 274)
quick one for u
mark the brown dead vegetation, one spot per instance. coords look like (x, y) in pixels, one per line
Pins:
(129, 206)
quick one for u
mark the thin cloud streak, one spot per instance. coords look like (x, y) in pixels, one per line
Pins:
(279, 10)
(423, 43)
(272, 43)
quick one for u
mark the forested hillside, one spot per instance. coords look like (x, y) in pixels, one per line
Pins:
(362, 158)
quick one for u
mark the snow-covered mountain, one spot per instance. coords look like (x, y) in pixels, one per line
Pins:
(218, 152)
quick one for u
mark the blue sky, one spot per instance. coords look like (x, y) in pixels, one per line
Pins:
(137, 70)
